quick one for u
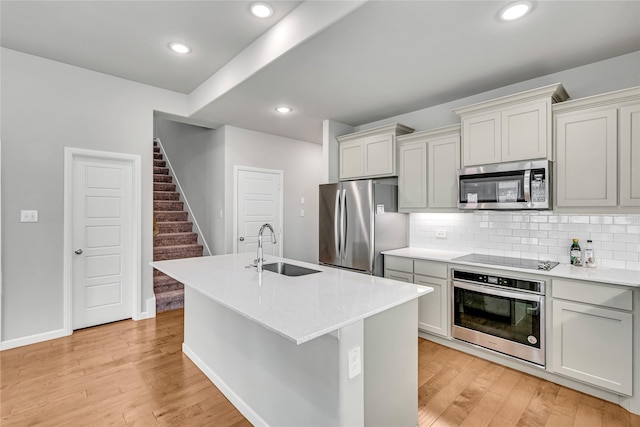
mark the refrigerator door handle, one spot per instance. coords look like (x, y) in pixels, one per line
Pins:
(337, 224)
(343, 223)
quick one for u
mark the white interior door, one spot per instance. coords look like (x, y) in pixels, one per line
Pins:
(102, 235)
(258, 202)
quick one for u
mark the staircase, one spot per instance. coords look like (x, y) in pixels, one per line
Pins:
(175, 238)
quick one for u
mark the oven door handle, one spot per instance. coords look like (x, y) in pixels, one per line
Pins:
(498, 292)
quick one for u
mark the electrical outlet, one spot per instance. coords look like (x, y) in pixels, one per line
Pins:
(301, 212)
(441, 233)
(28, 216)
(355, 365)
(302, 200)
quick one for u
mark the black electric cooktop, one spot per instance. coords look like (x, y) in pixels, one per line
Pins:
(531, 264)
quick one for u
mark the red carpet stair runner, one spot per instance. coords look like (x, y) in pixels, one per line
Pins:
(175, 238)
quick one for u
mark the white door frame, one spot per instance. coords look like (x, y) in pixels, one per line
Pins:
(70, 154)
(0, 243)
(236, 170)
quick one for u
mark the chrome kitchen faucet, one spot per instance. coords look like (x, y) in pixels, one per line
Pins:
(260, 257)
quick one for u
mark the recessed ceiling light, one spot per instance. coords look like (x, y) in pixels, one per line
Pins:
(515, 10)
(179, 47)
(261, 10)
(283, 109)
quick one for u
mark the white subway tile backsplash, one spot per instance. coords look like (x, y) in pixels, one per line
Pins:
(537, 235)
(539, 219)
(608, 263)
(626, 238)
(614, 229)
(624, 220)
(633, 265)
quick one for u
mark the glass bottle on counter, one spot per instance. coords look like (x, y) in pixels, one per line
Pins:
(589, 258)
(575, 253)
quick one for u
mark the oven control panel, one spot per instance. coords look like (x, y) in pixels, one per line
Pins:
(536, 286)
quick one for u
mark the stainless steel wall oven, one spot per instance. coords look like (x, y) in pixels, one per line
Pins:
(504, 314)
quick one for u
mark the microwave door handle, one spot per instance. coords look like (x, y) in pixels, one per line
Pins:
(336, 224)
(527, 185)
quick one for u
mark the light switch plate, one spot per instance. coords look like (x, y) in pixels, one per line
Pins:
(28, 216)
(301, 212)
(355, 365)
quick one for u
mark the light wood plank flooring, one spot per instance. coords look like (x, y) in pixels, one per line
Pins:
(134, 373)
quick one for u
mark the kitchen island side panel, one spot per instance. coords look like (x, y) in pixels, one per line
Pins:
(270, 379)
(391, 367)
(281, 382)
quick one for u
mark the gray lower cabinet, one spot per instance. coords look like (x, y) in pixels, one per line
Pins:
(592, 334)
(433, 309)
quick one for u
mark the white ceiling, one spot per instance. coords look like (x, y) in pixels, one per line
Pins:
(382, 59)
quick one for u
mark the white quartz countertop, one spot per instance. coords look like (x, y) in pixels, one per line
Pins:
(602, 275)
(298, 308)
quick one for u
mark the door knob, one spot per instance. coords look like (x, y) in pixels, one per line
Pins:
(241, 239)
(78, 251)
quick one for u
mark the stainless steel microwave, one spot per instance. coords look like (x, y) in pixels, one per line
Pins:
(518, 185)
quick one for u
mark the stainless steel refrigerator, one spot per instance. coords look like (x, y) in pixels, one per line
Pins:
(358, 220)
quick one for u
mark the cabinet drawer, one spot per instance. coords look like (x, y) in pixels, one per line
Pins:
(398, 275)
(398, 263)
(430, 268)
(591, 293)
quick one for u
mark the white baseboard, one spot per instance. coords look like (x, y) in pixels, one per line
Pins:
(236, 400)
(150, 311)
(33, 339)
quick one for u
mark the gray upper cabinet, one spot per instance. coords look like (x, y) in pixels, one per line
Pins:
(370, 153)
(597, 147)
(586, 152)
(427, 172)
(630, 155)
(512, 128)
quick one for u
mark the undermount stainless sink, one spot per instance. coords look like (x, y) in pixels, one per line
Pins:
(288, 269)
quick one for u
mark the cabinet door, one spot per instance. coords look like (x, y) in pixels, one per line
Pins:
(630, 155)
(525, 131)
(412, 176)
(433, 307)
(379, 155)
(481, 140)
(443, 162)
(593, 345)
(351, 160)
(587, 158)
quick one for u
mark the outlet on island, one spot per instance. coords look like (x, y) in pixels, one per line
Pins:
(355, 365)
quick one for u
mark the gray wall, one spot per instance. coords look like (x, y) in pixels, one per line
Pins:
(612, 74)
(330, 149)
(47, 106)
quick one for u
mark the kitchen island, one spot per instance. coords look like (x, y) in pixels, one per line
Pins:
(329, 348)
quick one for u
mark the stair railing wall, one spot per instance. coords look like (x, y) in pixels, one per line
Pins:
(184, 197)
